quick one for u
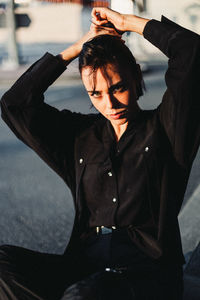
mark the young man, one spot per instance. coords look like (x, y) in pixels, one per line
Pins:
(127, 168)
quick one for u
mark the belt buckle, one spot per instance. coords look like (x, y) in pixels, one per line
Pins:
(104, 229)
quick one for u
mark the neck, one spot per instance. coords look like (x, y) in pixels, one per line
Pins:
(120, 129)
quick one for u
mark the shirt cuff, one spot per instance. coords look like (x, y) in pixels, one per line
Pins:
(60, 59)
(159, 33)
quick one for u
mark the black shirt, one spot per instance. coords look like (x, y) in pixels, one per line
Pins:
(109, 187)
(151, 170)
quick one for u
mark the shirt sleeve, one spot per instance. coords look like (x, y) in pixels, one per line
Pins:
(48, 131)
(180, 108)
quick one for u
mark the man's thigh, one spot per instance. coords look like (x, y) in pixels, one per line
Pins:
(26, 274)
(101, 286)
(110, 285)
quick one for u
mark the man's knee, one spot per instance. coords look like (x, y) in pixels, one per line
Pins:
(6, 271)
(101, 286)
(6, 250)
(6, 259)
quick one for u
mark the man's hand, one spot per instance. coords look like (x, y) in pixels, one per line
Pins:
(73, 51)
(97, 30)
(122, 22)
(102, 15)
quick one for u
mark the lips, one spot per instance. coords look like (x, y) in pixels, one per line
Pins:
(117, 115)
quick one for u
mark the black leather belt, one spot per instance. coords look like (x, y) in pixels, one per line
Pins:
(104, 229)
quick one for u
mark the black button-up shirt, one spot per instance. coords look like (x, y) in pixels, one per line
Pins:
(109, 186)
(144, 183)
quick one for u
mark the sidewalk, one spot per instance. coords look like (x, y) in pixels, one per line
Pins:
(9, 76)
(28, 54)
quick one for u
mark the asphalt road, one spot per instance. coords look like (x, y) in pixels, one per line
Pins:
(36, 206)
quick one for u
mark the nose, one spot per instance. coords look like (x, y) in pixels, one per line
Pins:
(109, 101)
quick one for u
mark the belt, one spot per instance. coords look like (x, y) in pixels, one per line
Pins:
(104, 229)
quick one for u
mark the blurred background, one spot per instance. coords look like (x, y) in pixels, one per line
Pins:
(42, 26)
(36, 206)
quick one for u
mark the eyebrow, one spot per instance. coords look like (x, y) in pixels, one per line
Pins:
(111, 88)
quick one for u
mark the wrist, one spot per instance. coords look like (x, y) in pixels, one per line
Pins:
(135, 24)
(70, 53)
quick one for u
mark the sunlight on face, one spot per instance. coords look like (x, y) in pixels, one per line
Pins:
(114, 97)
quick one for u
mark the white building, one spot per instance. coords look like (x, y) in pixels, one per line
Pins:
(63, 22)
(184, 12)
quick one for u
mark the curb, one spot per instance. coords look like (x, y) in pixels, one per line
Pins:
(9, 76)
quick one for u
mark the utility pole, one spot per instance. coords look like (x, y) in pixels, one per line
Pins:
(13, 56)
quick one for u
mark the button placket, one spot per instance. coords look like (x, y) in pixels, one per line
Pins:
(111, 174)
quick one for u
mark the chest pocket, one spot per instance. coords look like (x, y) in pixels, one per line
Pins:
(91, 156)
(155, 157)
(96, 181)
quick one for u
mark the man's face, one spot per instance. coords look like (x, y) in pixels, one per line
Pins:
(114, 97)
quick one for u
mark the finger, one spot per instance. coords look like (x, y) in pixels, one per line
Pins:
(110, 29)
(93, 12)
(96, 13)
(93, 25)
(113, 33)
(99, 14)
(102, 27)
(98, 22)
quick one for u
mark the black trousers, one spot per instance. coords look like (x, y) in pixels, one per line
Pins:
(129, 274)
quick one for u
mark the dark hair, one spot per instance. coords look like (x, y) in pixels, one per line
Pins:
(104, 49)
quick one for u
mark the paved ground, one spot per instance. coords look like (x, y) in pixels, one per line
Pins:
(36, 206)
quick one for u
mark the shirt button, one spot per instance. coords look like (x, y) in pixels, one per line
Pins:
(81, 160)
(114, 200)
(109, 173)
(146, 149)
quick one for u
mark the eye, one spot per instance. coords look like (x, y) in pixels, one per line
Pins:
(120, 88)
(96, 94)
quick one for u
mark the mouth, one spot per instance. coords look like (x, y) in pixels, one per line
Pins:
(117, 115)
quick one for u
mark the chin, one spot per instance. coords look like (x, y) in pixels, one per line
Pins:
(119, 121)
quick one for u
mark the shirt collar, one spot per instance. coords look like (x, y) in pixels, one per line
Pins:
(109, 139)
(131, 128)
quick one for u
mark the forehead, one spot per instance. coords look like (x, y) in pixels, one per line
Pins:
(101, 78)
